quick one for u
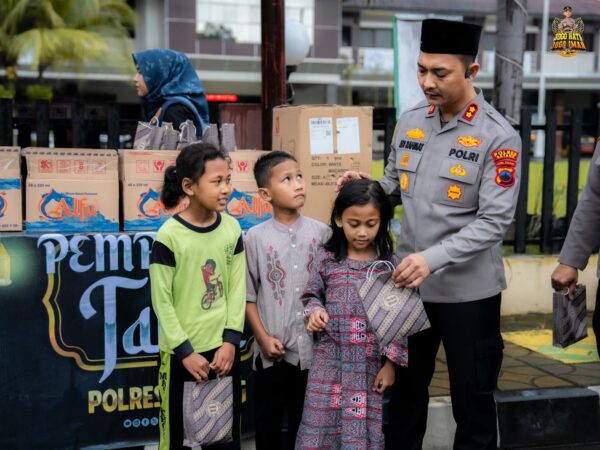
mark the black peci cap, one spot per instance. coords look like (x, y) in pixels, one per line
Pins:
(567, 8)
(446, 36)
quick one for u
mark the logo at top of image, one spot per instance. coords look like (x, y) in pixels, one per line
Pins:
(568, 40)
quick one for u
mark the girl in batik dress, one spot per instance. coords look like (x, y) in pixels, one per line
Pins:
(350, 372)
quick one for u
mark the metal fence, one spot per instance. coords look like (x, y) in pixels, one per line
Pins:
(111, 125)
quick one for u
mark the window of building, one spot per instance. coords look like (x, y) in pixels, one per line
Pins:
(239, 20)
(530, 41)
(346, 36)
(376, 37)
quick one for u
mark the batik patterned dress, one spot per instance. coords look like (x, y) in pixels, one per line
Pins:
(341, 411)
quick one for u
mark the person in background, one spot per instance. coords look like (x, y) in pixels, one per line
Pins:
(199, 328)
(170, 88)
(279, 257)
(582, 239)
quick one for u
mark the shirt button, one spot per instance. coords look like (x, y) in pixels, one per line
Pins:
(297, 289)
(295, 266)
(293, 245)
(291, 231)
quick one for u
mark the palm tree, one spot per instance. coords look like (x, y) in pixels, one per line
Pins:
(77, 32)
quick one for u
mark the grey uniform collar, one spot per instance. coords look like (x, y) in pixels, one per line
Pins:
(470, 114)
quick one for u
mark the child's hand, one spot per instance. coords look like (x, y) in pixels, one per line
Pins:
(317, 320)
(385, 378)
(223, 360)
(272, 348)
(197, 366)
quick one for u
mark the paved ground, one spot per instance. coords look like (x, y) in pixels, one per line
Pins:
(525, 369)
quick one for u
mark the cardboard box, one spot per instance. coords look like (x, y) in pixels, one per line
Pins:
(142, 177)
(327, 140)
(71, 190)
(244, 203)
(11, 204)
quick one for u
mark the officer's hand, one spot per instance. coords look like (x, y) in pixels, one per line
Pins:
(565, 277)
(411, 271)
(350, 175)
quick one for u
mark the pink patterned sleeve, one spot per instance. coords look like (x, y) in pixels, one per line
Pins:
(397, 353)
(313, 296)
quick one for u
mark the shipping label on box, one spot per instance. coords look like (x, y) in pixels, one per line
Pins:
(142, 175)
(72, 190)
(327, 141)
(246, 205)
(11, 211)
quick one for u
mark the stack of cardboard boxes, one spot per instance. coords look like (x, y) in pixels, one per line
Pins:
(77, 190)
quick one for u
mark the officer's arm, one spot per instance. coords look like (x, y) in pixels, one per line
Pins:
(390, 181)
(583, 236)
(497, 204)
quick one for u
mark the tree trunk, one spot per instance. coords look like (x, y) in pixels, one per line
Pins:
(511, 20)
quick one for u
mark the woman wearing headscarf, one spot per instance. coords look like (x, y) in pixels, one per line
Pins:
(170, 88)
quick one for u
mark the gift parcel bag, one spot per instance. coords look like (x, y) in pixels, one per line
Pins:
(393, 313)
(207, 412)
(569, 317)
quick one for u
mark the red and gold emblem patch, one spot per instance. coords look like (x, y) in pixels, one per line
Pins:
(431, 110)
(506, 164)
(454, 192)
(470, 112)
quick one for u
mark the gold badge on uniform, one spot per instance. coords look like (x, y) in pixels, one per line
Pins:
(404, 182)
(405, 158)
(454, 192)
(458, 170)
(468, 141)
(415, 133)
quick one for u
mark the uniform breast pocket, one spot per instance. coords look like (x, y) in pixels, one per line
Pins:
(407, 163)
(458, 183)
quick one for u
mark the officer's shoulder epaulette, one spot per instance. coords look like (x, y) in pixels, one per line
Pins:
(499, 120)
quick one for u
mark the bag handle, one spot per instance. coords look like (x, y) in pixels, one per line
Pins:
(373, 267)
(154, 119)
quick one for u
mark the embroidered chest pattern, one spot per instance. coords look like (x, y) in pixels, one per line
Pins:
(276, 274)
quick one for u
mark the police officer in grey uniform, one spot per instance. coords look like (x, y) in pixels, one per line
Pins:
(582, 239)
(454, 165)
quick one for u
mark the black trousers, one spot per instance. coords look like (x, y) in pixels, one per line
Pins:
(470, 333)
(279, 389)
(596, 319)
(178, 376)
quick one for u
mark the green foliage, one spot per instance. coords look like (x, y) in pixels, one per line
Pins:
(39, 92)
(214, 31)
(78, 33)
(6, 92)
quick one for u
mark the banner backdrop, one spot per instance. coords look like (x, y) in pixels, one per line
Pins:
(79, 343)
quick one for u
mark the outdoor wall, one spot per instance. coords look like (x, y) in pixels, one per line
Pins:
(529, 289)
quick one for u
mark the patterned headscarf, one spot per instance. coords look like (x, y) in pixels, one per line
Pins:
(168, 73)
